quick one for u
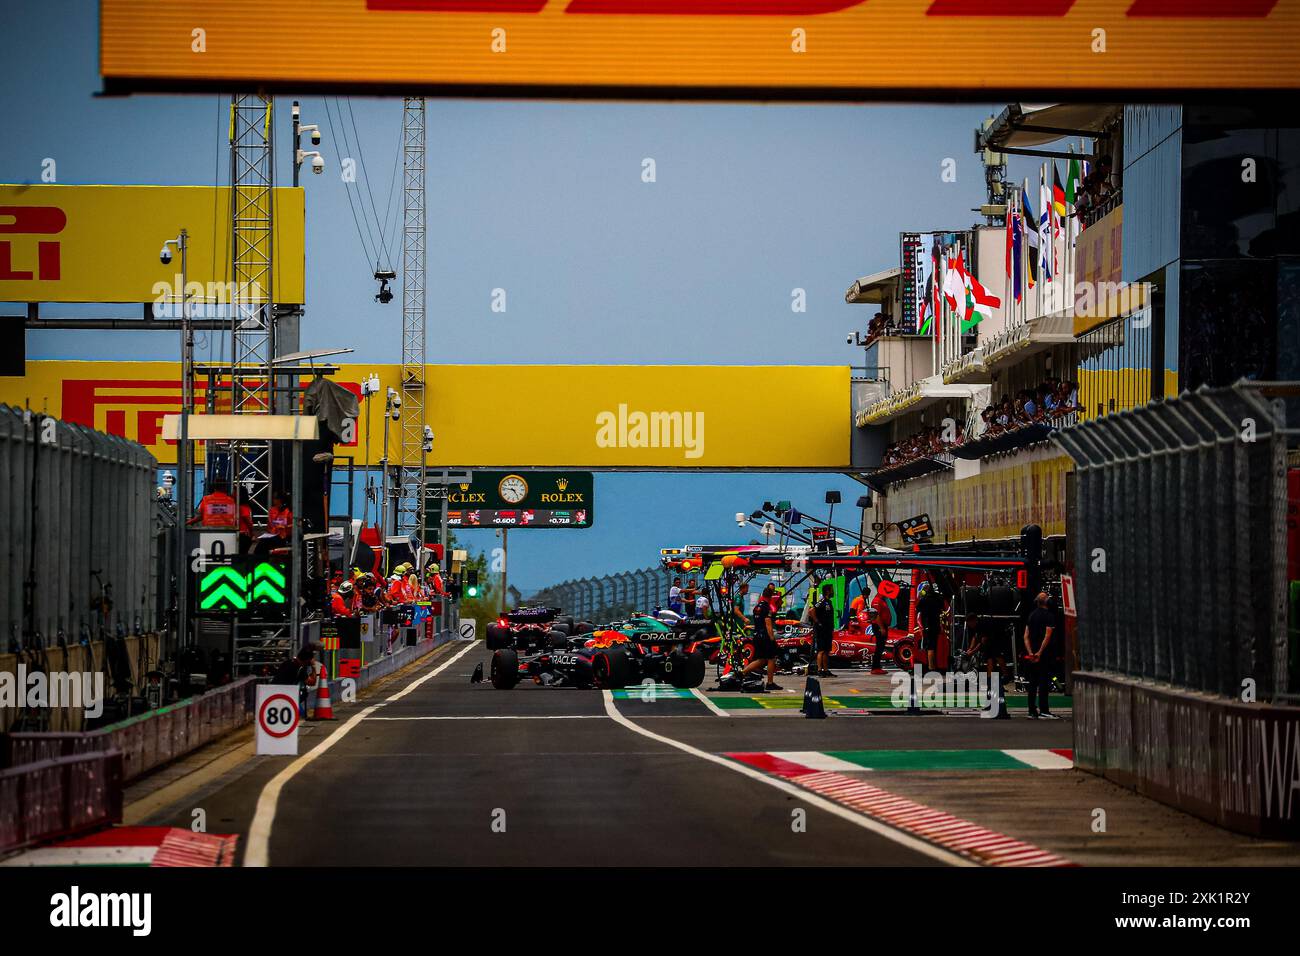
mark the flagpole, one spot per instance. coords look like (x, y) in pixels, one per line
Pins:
(934, 319)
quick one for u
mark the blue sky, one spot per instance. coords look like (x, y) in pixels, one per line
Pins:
(546, 201)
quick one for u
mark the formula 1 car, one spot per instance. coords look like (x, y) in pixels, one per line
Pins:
(527, 628)
(849, 646)
(606, 659)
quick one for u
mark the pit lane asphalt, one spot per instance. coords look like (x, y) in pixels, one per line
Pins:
(409, 786)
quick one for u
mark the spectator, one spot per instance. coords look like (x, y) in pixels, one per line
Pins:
(701, 605)
(690, 593)
(1040, 652)
(675, 597)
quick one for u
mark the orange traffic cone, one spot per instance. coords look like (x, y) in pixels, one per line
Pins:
(324, 709)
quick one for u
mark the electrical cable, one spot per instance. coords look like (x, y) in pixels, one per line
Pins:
(365, 173)
(334, 141)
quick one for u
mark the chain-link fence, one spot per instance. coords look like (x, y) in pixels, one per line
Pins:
(1180, 541)
(611, 596)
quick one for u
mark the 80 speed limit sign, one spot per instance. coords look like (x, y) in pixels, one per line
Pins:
(277, 719)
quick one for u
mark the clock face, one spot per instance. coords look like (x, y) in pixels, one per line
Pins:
(513, 489)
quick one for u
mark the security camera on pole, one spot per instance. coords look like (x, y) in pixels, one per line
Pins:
(184, 496)
(392, 412)
(300, 154)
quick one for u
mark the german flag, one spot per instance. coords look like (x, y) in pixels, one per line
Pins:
(1058, 193)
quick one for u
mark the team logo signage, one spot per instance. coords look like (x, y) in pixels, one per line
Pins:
(518, 499)
(722, 49)
(100, 244)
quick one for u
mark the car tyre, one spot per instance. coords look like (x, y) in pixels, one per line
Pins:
(584, 627)
(687, 670)
(557, 639)
(505, 668)
(904, 655)
(610, 669)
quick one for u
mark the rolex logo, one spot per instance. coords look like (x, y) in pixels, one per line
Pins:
(562, 483)
(464, 486)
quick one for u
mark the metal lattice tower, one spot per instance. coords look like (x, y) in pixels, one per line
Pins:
(252, 315)
(411, 464)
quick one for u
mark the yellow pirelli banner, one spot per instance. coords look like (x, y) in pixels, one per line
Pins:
(103, 244)
(651, 417)
(710, 48)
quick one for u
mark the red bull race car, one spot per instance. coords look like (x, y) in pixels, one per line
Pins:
(633, 652)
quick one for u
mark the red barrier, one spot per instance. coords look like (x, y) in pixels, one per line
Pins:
(59, 797)
(148, 740)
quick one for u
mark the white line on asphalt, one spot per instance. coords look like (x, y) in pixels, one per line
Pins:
(504, 717)
(708, 703)
(867, 823)
(259, 831)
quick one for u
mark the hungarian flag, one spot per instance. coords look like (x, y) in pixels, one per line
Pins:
(1058, 193)
(979, 303)
(954, 285)
(1031, 235)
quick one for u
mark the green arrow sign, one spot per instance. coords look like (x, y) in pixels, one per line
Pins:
(222, 598)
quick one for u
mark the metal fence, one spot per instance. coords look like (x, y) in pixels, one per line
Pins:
(610, 596)
(77, 512)
(1180, 541)
(149, 740)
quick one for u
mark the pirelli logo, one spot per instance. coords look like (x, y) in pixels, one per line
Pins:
(709, 49)
(36, 255)
(1201, 9)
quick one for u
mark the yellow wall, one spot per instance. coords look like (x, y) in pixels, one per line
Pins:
(516, 415)
(110, 238)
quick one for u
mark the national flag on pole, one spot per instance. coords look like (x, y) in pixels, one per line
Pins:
(980, 303)
(1031, 236)
(1058, 193)
(1017, 247)
(1010, 240)
(954, 287)
(1073, 181)
(936, 286)
(1046, 247)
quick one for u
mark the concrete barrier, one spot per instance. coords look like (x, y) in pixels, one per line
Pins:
(1236, 765)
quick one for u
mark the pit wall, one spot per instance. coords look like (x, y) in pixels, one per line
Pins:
(1236, 765)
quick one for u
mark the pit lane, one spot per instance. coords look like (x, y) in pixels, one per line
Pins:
(422, 778)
